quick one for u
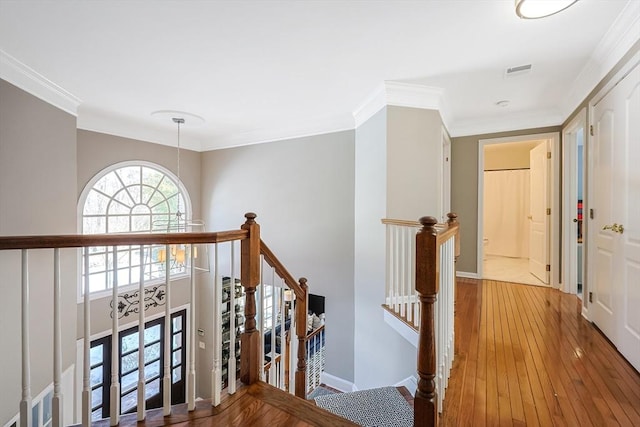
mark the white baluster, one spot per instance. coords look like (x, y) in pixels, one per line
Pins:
(388, 261)
(283, 346)
(409, 267)
(114, 410)
(396, 270)
(25, 403)
(86, 367)
(260, 313)
(191, 376)
(216, 372)
(293, 350)
(168, 337)
(56, 403)
(141, 377)
(231, 365)
(272, 371)
(414, 292)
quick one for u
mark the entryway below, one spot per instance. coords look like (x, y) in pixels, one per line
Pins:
(507, 269)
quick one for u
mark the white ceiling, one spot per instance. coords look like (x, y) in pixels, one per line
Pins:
(265, 70)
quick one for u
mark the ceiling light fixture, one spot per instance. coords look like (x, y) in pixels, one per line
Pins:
(534, 9)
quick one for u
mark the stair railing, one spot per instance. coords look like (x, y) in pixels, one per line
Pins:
(251, 366)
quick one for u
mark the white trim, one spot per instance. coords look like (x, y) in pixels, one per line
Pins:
(29, 80)
(622, 35)
(411, 384)
(467, 275)
(402, 328)
(554, 227)
(402, 94)
(337, 382)
(506, 123)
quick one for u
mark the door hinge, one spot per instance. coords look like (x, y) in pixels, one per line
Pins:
(590, 296)
(548, 267)
(591, 213)
(591, 130)
(548, 211)
(548, 154)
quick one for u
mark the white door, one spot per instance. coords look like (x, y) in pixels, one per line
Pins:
(538, 217)
(616, 184)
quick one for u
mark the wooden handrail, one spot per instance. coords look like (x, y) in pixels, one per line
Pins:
(280, 269)
(315, 332)
(87, 240)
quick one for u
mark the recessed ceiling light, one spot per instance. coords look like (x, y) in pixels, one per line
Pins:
(503, 103)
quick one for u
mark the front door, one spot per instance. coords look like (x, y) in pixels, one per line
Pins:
(538, 217)
(616, 219)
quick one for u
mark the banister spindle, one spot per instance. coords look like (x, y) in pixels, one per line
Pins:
(114, 413)
(86, 374)
(168, 337)
(25, 403)
(293, 349)
(250, 365)
(191, 375)
(301, 331)
(231, 364)
(216, 372)
(283, 346)
(141, 306)
(427, 257)
(56, 402)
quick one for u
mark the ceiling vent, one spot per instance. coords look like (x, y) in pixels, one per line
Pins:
(517, 71)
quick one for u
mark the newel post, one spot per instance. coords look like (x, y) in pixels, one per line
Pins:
(301, 332)
(453, 221)
(427, 254)
(250, 278)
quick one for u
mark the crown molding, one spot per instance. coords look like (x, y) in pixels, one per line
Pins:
(29, 80)
(318, 126)
(622, 35)
(402, 94)
(506, 123)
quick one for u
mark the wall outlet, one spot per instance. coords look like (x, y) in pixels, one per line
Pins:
(201, 344)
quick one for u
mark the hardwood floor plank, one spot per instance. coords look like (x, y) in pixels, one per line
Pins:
(528, 357)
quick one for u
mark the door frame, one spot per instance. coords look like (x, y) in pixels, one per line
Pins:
(554, 193)
(570, 198)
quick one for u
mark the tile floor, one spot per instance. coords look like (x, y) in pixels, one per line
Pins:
(507, 269)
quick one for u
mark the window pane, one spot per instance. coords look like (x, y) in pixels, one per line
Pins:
(135, 193)
(130, 174)
(124, 198)
(95, 354)
(93, 225)
(96, 397)
(152, 370)
(152, 334)
(108, 184)
(177, 324)
(118, 224)
(129, 401)
(96, 414)
(177, 340)
(46, 407)
(141, 223)
(117, 207)
(177, 358)
(129, 342)
(129, 362)
(151, 177)
(177, 374)
(96, 375)
(97, 263)
(152, 353)
(152, 389)
(35, 412)
(129, 382)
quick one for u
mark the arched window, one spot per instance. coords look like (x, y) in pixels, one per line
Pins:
(132, 197)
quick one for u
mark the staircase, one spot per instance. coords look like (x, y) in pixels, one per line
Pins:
(255, 401)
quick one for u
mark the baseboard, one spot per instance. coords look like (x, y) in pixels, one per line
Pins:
(467, 275)
(411, 383)
(337, 383)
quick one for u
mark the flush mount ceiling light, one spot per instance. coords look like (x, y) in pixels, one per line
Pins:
(534, 9)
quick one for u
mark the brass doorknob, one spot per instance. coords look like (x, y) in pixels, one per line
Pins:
(616, 228)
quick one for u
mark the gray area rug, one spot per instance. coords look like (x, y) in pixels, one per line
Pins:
(379, 407)
(319, 391)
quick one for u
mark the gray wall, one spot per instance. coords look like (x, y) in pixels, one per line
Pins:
(382, 356)
(37, 196)
(464, 190)
(302, 192)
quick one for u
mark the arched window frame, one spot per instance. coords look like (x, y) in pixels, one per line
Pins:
(151, 258)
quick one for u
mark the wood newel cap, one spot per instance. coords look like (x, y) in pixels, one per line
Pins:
(303, 283)
(251, 218)
(428, 222)
(453, 217)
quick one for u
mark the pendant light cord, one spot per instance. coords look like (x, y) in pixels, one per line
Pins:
(179, 121)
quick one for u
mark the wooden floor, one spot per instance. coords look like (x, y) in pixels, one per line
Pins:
(251, 406)
(525, 356)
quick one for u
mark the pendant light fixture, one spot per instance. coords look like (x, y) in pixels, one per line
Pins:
(534, 9)
(180, 222)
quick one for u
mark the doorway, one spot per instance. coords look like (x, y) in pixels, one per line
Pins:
(574, 205)
(515, 200)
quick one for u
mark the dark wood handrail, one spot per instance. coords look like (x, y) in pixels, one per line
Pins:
(280, 269)
(87, 240)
